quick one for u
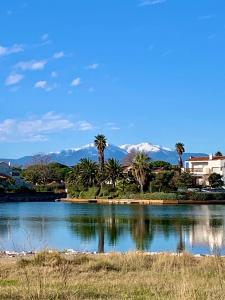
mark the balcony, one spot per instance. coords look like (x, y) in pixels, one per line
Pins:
(195, 170)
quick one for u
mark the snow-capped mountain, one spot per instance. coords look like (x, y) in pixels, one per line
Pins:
(71, 157)
(144, 147)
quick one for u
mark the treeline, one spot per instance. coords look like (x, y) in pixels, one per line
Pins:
(110, 178)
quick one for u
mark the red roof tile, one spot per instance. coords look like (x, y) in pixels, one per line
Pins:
(206, 158)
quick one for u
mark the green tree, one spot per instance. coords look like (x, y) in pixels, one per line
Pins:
(87, 172)
(59, 170)
(82, 177)
(218, 153)
(38, 174)
(141, 169)
(160, 164)
(113, 171)
(216, 180)
(180, 150)
(184, 180)
(100, 144)
(163, 181)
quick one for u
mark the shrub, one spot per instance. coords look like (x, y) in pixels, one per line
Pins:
(90, 193)
(153, 196)
(2, 189)
(126, 188)
(206, 196)
(106, 191)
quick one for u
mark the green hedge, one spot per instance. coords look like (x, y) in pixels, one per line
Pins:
(205, 196)
(176, 196)
(152, 196)
(91, 193)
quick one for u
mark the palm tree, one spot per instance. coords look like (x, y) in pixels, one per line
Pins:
(88, 172)
(140, 169)
(113, 170)
(100, 144)
(180, 150)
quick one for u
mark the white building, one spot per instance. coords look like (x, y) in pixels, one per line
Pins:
(202, 167)
(6, 172)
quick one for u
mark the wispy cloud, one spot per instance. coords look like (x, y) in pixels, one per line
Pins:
(11, 50)
(32, 65)
(205, 17)
(13, 79)
(58, 55)
(112, 126)
(76, 82)
(92, 66)
(45, 37)
(42, 84)
(166, 53)
(91, 89)
(84, 126)
(38, 128)
(54, 74)
(151, 2)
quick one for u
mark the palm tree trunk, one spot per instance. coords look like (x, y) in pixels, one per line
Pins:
(180, 163)
(101, 241)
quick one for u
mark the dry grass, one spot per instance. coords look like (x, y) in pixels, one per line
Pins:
(115, 276)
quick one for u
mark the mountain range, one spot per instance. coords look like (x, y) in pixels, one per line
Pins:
(72, 156)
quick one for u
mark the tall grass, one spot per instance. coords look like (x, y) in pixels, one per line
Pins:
(114, 276)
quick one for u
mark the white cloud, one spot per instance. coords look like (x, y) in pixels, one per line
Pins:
(38, 128)
(151, 2)
(32, 65)
(76, 82)
(84, 126)
(58, 55)
(92, 66)
(112, 126)
(11, 50)
(41, 84)
(13, 79)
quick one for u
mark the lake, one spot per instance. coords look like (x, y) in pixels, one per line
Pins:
(105, 228)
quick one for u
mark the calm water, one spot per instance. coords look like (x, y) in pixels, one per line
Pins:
(91, 227)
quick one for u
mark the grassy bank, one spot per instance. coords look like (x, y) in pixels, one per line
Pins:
(114, 276)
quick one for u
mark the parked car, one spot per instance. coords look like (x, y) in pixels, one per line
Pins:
(211, 190)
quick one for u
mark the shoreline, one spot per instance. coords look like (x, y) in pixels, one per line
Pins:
(142, 201)
(71, 252)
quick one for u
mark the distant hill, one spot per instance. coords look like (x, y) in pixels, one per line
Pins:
(72, 156)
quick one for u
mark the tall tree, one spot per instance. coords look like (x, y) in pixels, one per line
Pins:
(180, 150)
(113, 170)
(185, 180)
(100, 144)
(140, 169)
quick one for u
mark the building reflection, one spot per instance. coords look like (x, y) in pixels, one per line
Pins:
(208, 231)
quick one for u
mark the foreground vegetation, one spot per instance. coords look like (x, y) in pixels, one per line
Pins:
(126, 276)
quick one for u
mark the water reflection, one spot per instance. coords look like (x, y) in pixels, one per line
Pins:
(196, 229)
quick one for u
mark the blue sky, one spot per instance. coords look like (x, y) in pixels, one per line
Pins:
(151, 70)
